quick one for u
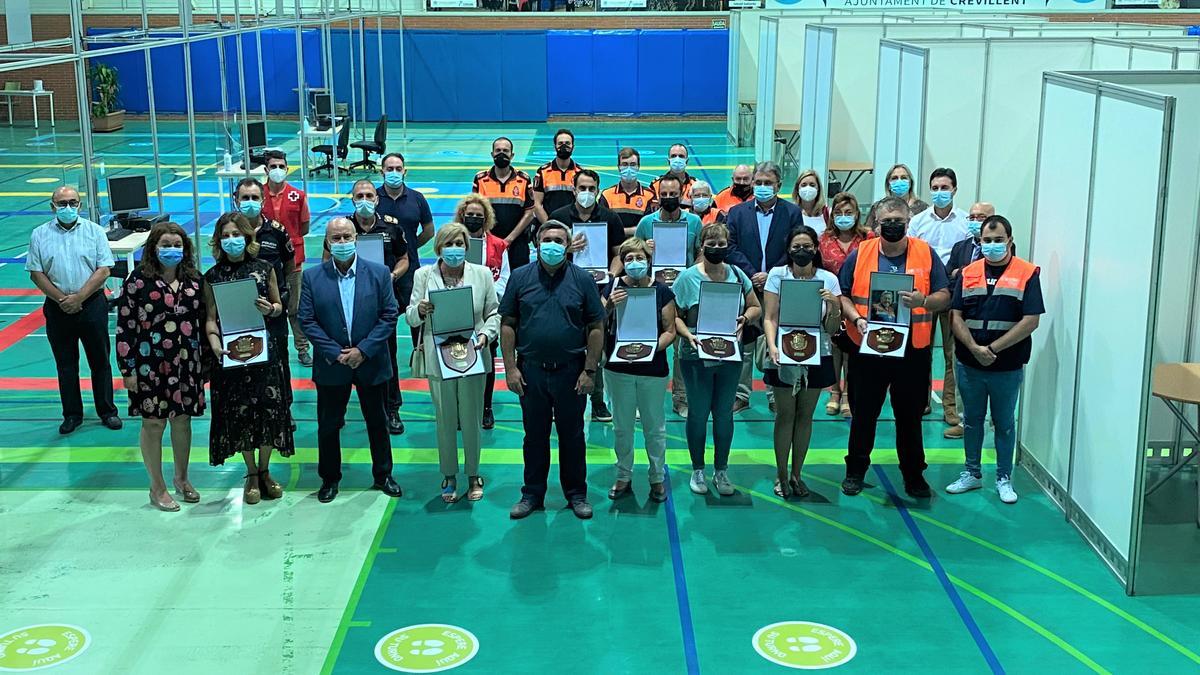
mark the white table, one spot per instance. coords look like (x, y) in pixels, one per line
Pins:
(330, 137)
(127, 246)
(228, 178)
(8, 95)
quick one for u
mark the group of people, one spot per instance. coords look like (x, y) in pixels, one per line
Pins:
(551, 322)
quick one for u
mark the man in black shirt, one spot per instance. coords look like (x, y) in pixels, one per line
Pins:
(275, 248)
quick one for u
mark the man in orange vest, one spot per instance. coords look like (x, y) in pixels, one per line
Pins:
(871, 377)
(740, 190)
(996, 307)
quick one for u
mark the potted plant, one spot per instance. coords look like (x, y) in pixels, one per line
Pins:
(105, 113)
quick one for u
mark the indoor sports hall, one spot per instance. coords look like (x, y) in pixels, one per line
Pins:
(1076, 119)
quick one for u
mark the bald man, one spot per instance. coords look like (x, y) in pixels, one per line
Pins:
(739, 191)
(964, 253)
(69, 260)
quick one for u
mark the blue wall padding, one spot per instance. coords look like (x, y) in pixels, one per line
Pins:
(453, 76)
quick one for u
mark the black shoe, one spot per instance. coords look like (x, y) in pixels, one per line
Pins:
(600, 412)
(523, 508)
(852, 486)
(69, 424)
(489, 420)
(582, 509)
(304, 357)
(327, 492)
(918, 490)
(112, 422)
(395, 424)
(388, 487)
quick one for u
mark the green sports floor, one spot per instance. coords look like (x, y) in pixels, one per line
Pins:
(958, 584)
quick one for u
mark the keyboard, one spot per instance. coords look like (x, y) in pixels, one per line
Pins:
(118, 234)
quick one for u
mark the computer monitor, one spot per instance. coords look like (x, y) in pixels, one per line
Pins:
(256, 135)
(322, 105)
(127, 194)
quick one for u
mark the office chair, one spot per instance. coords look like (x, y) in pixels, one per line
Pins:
(342, 149)
(378, 146)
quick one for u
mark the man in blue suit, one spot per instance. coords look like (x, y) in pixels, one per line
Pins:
(348, 312)
(758, 240)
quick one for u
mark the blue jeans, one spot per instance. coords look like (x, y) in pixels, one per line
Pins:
(977, 388)
(710, 391)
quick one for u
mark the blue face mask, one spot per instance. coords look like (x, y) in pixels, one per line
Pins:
(277, 175)
(899, 187)
(234, 246)
(975, 227)
(170, 256)
(637, 269)
(994, 251)
(364, 208)
(764, 193)
(677, 163)
(552, 253)
(701, 204)
(629, 173)
(393, 179)
(942, 198)
(67, 215)
(454, 256)
(342, 250)
(843, 223)
(250, 209)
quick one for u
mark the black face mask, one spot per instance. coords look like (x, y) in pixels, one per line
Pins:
(473, 223)
(716, 254)
(563, 152)
(502, 161)
(892, 231)
(742, 191)
(802, 257)
(669, 204)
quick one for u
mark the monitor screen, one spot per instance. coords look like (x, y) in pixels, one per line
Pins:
(322, 105)
(256, 135)
(127, 194)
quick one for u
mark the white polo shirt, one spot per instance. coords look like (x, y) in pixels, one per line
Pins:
(68, 257)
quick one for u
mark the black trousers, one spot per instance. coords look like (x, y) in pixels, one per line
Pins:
(489, 387)
(395, 399)
(870, 378)
(550, 397)
(331, 410)
(518, 252)
(65, 332)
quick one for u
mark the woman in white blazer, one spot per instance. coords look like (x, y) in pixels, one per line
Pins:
(458, 402)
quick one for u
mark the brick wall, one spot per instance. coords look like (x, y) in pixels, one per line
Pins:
(1168, 18)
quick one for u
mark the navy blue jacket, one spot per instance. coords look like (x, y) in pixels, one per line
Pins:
(745, 246)
(324, 324)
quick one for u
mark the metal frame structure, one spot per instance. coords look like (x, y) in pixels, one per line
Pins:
(229, 18)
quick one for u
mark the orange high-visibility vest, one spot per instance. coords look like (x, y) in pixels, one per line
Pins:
(918, 263)
(1000, 310)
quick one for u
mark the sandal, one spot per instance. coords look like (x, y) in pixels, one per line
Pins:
(250, 493)
(846, 409)
(185, 491)
(834, 404)
(449, 490)
(781, 489)
(798, 487)
(269, 488)
(474, 488)
(620, 489)
(164, 504)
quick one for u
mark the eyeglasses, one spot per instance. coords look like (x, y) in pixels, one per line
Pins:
(67, 202)
(893, 221)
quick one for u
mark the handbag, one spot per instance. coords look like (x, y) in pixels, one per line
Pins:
(416, 360)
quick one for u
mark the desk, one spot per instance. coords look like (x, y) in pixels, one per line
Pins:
(126, 246)
(1177, 385)
(327, 137)
(788, 135)
(33, 97)
(853, 170)
(228, 178)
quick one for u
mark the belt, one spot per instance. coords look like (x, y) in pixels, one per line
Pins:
(551, 366)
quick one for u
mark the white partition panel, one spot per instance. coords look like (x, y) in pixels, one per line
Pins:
(1188, 59)
(732, 108)
(953, 113)
(1146, 57)
(764, 114)
(1113, 359)
(887, 110)
(913, 90)
(1110, 54)
(819, 64)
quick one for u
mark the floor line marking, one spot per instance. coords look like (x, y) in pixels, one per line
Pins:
(968, 587)
(940, 572)
(22, 328)
(690, 655)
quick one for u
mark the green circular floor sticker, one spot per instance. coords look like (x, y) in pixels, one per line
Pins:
(41, 646)
(426, 648)
(805, 645)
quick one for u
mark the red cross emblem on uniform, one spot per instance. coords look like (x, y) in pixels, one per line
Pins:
(293, 196)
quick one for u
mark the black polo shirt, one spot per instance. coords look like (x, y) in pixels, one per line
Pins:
(410, 210)
(510, 199)
(554, 184)
(656, 367)
(552, 312)
(616, 229)
(395, 241)
(274, 247)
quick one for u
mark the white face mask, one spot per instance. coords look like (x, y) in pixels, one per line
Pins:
(807, 193)
(277, 175)
(586, 199)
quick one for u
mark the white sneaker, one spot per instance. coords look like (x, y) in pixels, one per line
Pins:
(1005, 489)
(697, 483)
(721, 482)
(965, 483)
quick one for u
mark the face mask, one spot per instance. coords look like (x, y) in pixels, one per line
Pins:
(454, 256)
(629, 173)
(473, 223)
(67, 215)
(801, 257)
(637, 269)
(975, 227)
(552, 253)
(250, 209)
(563, 153)
(342, 250)
(586, 199)
(393, 179)
(807, 193)
(364, 207)
(234, 246)
(502, 161)
(277, 175)
(742, 191)
(701, 204)
(994, 251)
(677, 164)
(843, 223)
(764, 193)
(170, 256)
(716, 254)
(942, 198)
(893, 231)
(669, 204)
(899, 187)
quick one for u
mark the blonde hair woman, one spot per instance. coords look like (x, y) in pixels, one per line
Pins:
(898, 183)
(845, 232)
(477, 214)
(810, 197)
(457, 402)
